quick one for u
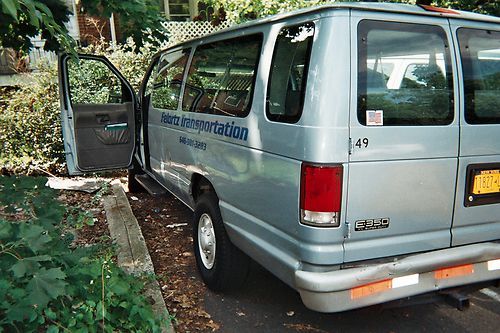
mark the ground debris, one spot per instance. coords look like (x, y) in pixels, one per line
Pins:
(304, 328)
(171, 249)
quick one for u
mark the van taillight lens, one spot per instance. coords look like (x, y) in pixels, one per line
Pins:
(321, 195)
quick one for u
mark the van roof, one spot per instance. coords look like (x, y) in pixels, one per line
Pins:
(382, 7)
(369, 6)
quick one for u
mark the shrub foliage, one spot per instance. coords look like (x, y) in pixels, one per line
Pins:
(46, 285)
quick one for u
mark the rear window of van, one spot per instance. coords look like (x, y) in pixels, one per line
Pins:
(404, 75)
(480, 53)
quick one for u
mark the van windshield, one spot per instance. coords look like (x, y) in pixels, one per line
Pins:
(480, 52)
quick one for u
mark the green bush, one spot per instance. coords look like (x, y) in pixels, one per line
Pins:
(30, 128)
(45, 285)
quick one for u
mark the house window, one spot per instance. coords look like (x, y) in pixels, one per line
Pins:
(180, 10)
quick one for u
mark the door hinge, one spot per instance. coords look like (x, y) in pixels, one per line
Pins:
(350, 146)
(347, 230)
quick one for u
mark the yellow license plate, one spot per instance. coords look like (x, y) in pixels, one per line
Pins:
(487, 181)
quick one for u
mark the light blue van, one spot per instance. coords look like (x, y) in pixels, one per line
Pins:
(353, 150)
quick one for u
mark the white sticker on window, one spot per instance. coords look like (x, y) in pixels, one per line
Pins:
(374, 117)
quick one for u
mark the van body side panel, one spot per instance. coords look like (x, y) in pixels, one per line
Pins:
(160, 155)
(325, 117)
(479, 144)
(257, 186)
(406, 174)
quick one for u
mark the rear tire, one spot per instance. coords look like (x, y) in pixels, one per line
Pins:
(222, 265)
(133, 185)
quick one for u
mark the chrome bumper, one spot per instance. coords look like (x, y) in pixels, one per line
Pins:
(339, 290)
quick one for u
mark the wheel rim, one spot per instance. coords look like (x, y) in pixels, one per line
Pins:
(206, 241)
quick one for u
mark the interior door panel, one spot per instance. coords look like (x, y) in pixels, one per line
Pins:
(103, 134)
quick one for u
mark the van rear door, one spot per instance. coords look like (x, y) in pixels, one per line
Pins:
(98, 114)
(404, 136)
(477, 208)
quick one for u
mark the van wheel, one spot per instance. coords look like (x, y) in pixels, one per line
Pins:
(222, 265)
(133, 185)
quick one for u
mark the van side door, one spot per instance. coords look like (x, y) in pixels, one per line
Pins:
(477, 208)
(404, 135)
(98, 108)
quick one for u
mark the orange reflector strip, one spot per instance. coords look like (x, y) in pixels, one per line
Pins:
(451, 272)
(439, 10)
(370, 289)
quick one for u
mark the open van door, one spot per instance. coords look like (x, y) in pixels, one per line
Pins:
(98, 109)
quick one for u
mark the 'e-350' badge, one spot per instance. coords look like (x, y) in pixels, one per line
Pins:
(372, 224)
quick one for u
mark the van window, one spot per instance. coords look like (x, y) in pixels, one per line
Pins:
(168, 81)
(480, 52)
(91, 81)
(222, 76)
(404, 75)
(289, 67)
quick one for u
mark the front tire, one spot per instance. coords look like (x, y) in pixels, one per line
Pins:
(222, 265)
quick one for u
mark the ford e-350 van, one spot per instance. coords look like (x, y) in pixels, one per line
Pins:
(353, 150)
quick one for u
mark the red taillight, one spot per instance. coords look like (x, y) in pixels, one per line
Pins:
(321, 195)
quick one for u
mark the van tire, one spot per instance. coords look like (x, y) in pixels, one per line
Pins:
(133, 185)
(228, 268)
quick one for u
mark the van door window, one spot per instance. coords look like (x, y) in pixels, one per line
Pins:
(222, 76)
(92, 82)
(404, 75)
(480, 53)
(287, 79)
(168, 81)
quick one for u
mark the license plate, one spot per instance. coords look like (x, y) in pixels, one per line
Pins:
(487, 181)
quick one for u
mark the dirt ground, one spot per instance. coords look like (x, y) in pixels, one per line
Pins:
(88, 234)
(166, 226)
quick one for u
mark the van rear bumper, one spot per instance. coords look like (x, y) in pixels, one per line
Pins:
(352, 288)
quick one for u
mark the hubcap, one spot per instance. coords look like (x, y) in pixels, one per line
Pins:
(206, 241)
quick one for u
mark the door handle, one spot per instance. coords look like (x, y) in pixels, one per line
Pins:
(102, 118)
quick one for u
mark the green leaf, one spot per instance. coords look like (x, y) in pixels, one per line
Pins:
(50, 314)
(46, 285)
(119, 287)
(22, 266)
(6, 229)
(52, 329)
(10, 7)
(18, 293)
(28, 265)
(18, 313)
(43, 8)
(5, 287)
(32, 13)
(35, 236)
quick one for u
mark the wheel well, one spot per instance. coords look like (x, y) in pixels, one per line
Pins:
(200, 185)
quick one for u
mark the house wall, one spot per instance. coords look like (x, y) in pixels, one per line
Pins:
(92, 29)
